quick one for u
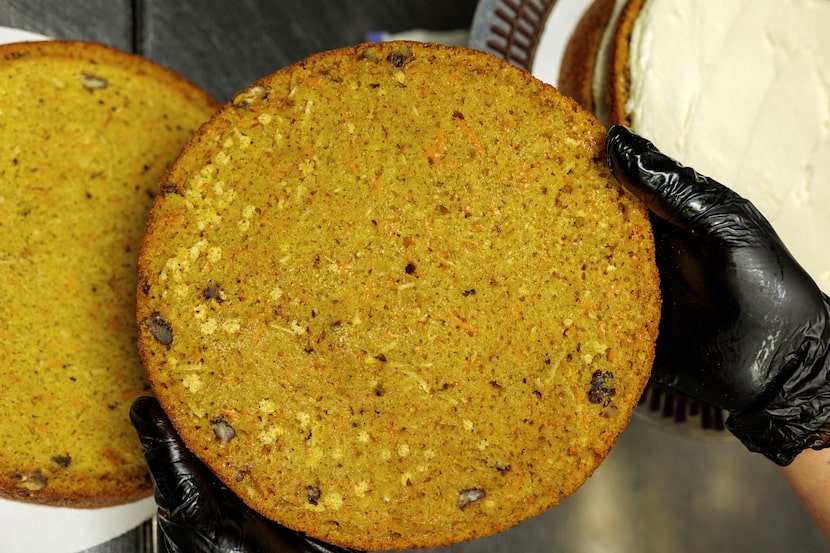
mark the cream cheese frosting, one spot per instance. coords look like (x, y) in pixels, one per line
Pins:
(740, 90)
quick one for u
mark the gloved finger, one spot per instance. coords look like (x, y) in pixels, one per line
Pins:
(676, 194)
(178, 474)
(156, 433)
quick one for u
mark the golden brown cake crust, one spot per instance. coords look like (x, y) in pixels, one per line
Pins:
(576, 74)
(87, 132)
(393, 297)
(619, 74)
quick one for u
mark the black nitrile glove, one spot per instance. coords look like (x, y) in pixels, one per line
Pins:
(196, 513)
(743, 326)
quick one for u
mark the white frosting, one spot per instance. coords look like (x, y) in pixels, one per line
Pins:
(740, 90)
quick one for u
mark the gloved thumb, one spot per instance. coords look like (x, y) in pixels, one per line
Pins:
(197, 514)
(177, 474)
(679, 195)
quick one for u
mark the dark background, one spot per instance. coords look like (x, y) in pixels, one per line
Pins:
(223, 45)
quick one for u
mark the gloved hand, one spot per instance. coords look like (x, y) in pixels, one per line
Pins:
(196, 513)
(743, 326)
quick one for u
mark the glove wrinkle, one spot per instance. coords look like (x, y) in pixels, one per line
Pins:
(180, 537)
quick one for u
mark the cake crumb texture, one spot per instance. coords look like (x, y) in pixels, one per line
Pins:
(393, 297)
(87, 132)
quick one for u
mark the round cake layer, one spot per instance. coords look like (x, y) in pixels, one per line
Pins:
(87, 133)
(393, 298)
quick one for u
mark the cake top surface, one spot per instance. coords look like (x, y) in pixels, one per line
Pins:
(87, 133)
(392, 296)
(749, 107)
